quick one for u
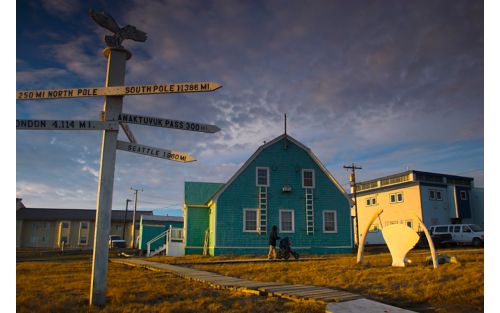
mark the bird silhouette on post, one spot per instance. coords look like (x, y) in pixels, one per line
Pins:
(105, 20)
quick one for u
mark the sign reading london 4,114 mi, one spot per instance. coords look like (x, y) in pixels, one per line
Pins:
(65, 125)
(167, 123)
(155, 152)
(116, 91)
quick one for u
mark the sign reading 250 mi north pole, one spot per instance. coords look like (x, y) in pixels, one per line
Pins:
(116, 91)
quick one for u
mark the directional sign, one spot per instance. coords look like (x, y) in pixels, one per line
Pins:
(167, 123)
(116, 91)
(65, 125)
(155, 152)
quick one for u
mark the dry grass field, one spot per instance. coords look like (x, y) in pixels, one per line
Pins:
(450, 288)
(63, 286)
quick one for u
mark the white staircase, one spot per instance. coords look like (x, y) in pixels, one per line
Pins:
(173, 243)
(263, 210)
(309, 211)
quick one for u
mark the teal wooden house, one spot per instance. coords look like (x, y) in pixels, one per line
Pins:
(283, 184)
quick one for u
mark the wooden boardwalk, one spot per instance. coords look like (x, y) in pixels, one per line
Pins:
(293, 292)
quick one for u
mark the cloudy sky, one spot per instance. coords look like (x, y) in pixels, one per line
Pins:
(389, 85)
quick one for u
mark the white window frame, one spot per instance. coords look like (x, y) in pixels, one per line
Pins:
(402, 197)
(313, 177)
(293, 220)
(256, 220)
(395, 198)
(432, 192)
(463, 192)
(257, 176)
(80, 233)
(324, 224)
(440, 198)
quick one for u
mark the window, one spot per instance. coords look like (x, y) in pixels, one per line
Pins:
(308, 178)
(330, 221)
(466, 229)
(371, 201)
(463, 195)
(374, 228)
(262, 177)
(396, 197)
(409, 223)
(250, 220)
(456, 229)
(435, 195)
(287, 221)
(64, 239)
(441, 229)
(84, 233)
(65, 225)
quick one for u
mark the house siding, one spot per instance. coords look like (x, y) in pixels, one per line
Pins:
(197, 221)
(285, 169)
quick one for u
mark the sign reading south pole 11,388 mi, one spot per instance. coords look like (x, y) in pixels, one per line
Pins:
(116, 91)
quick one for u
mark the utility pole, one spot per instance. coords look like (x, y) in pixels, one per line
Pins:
(352, 179)
(125, 218)
(133, 216)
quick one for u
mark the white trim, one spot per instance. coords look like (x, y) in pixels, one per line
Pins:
(293, 221)
(257, 176)
(256, 220)
(330, 231)
(464, 192)
(87, 237)
(309, 152)
(313, 178)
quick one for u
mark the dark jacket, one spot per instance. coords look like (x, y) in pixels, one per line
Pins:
(273, 236)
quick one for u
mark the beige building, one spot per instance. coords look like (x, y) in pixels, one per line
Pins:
(49, 228)
(434, 198)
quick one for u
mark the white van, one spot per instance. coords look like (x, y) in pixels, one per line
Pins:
(460, 233)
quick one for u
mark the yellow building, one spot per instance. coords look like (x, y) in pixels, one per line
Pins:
(434, 198)
(49, 228)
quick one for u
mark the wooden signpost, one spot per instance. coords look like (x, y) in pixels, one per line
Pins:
(110, 118)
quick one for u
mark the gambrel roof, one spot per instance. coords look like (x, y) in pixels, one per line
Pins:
(272, 142)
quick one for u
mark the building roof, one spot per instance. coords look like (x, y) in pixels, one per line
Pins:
(300, 145)
(161, 218)
(199, 193)
(42, 214)
(416, 172)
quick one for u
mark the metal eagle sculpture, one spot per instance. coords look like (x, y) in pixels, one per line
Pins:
(128, 32)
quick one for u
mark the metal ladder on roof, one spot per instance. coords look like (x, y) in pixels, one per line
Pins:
(263, 210)
(309, 211)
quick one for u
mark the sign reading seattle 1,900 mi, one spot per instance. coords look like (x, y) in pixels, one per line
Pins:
(167, 123)
(116, 91)
(155, 152)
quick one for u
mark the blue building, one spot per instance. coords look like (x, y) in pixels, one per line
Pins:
(283, 184)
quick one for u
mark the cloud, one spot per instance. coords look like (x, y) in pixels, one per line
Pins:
(62, 8)
(88, 169)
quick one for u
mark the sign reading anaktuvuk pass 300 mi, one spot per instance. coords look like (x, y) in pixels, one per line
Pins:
(167, 123)
(116, 91)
